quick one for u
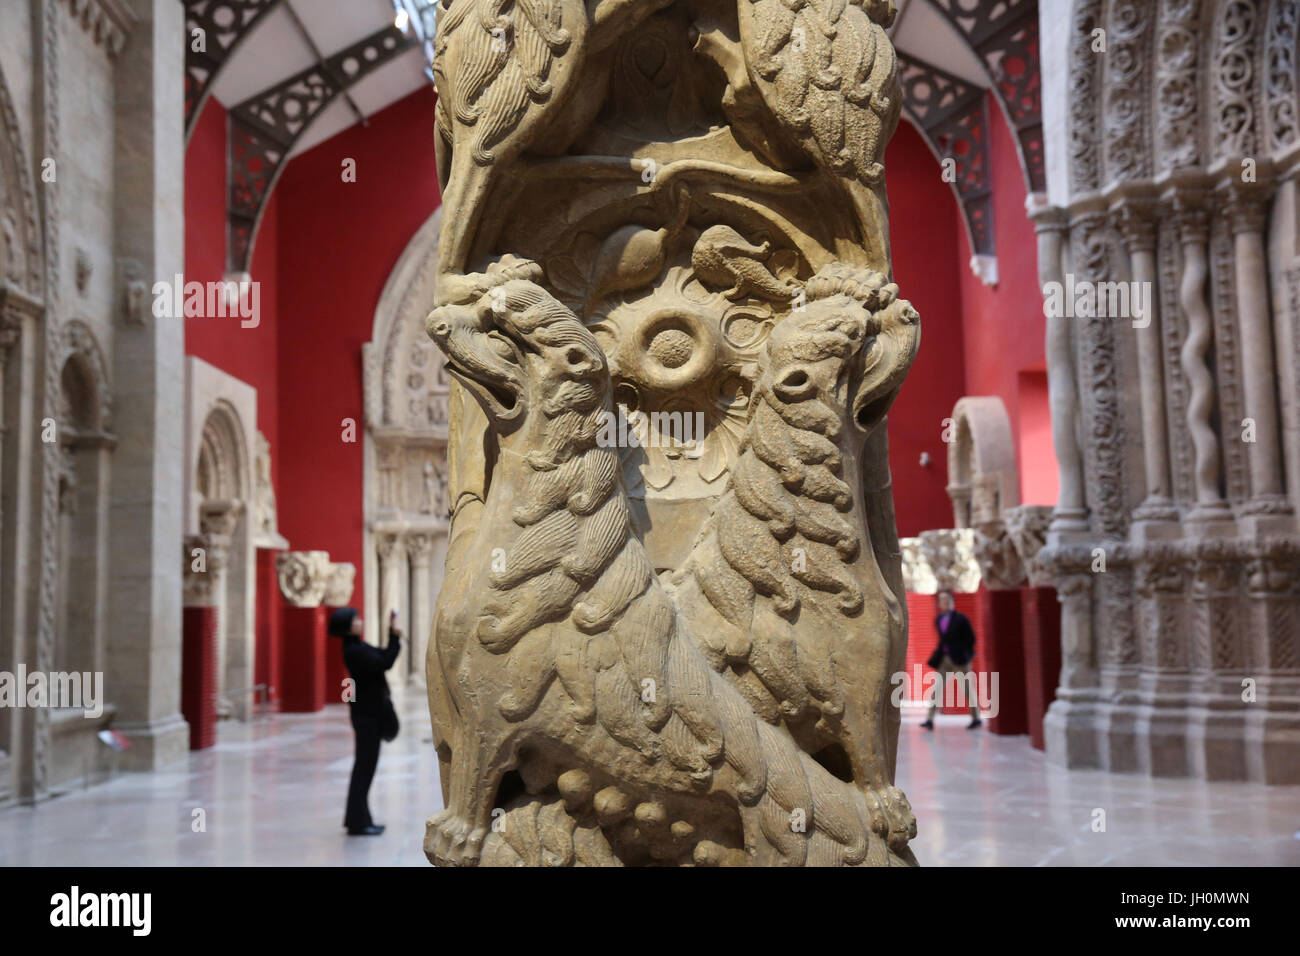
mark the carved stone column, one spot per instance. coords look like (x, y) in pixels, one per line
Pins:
(217, 521)
(1138, 229)
(419, 548)
(1246, 213)
(1062, 384)
(10, 327)
(1193, 234)
(392, 569)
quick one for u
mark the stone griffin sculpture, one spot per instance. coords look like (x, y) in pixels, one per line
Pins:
(653, 651)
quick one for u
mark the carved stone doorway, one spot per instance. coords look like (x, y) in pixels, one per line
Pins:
(405, 455)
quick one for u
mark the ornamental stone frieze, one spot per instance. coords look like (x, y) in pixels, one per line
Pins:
(917, 576)
(950, 555)
(304, 576)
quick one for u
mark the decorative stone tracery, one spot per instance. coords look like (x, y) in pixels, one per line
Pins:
(1175, 559)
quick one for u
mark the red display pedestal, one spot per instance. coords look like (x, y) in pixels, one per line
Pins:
(1041, 626)
(270, 610)
(199, 674)
(303, 676)
(998, 633)
(335, 669)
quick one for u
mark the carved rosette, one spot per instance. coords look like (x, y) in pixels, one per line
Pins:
(304, 576)
(950, 553)
(339, 583)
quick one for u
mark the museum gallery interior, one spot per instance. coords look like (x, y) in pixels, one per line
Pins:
(674, 373)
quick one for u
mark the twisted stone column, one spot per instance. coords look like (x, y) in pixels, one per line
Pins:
(1193, 233)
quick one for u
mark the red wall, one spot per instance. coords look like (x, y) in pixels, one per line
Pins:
(322, 276)
(333, 262)
(1004, 325)
(249, 354)
(928, 269)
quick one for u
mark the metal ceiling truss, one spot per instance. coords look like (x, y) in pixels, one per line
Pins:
(225, 24)
(952, 117)
(1004, 35)
(265, 127)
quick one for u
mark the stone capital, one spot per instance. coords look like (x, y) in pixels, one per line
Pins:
(1137, 224)
(1188, 215)
(999, 562)
(387, 544)
(1247, 211)
(1027, 526)
(340, 582)
(419, 546)
(220, 517)
(304, 576)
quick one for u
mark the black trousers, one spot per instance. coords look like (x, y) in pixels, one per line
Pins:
(366, 730)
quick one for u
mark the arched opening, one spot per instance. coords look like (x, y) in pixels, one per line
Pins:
(83, 493)
(221, 492)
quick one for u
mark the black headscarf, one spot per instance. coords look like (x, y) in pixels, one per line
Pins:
(341, 621)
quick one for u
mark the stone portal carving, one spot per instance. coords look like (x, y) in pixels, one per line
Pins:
(673, 598)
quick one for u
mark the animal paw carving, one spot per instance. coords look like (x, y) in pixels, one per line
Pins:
(450, 840)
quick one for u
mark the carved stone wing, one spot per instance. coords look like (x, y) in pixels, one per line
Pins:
(827, 69)
(498, 59)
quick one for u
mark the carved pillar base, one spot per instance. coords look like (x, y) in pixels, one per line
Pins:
(1218, 696)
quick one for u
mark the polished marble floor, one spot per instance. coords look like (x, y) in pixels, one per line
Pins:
(272, 792)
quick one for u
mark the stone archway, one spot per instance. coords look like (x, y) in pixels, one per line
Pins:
(405, 451)
(85, 445)
(220, 512)
(982, 476)
(21, 313)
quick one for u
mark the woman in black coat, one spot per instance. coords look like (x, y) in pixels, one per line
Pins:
(373, 717)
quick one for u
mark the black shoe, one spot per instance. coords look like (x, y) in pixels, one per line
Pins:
(373, 830)
(974, 723)
(928, 725)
